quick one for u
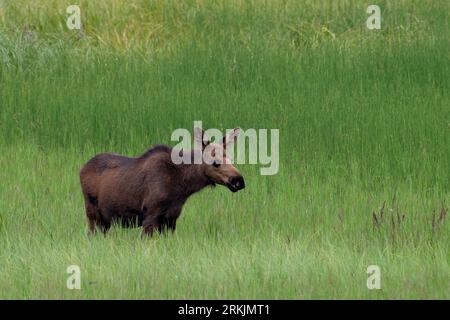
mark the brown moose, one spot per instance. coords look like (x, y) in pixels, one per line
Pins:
(150, 190)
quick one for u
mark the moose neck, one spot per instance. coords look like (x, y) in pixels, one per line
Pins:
(194, 178)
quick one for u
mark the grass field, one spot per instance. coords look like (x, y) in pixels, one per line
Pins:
(364, 120)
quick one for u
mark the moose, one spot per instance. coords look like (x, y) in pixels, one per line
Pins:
(149, 191)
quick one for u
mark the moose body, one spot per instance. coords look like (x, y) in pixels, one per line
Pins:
(149, 190)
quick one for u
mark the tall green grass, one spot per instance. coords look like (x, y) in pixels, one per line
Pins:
(364, 123)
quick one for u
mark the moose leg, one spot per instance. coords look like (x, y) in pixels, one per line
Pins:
(93, 218)
(104, 226)
(92, 226)
(171, 218)
(151, 219)
(159, 218)
(94, 215)
(96, 221)
(95, 224)
(149, 224)
(167, 224)
(172, 224)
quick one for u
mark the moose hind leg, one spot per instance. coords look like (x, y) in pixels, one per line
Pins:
(94, 216)
(96, 223)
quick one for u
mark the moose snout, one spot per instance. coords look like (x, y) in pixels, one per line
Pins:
(236, 183)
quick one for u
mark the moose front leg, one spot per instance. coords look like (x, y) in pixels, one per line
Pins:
(166, 224)
(159, 219)
(151, 220)
(170, 218)
(172, 224)
(149, 224)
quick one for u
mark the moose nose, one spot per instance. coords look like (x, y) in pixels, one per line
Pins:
(238, 182)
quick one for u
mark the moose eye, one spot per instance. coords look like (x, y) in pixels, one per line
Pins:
(216, 164)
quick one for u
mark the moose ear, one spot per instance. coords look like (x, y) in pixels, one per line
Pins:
(200, 137)
(231, 137)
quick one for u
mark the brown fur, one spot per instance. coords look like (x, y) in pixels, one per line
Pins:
(147, 191)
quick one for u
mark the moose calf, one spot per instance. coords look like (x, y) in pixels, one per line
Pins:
(150, 190)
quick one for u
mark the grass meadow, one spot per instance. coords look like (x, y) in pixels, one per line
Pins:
(364, 120)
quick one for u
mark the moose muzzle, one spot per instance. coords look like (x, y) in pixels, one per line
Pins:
(236, 183)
